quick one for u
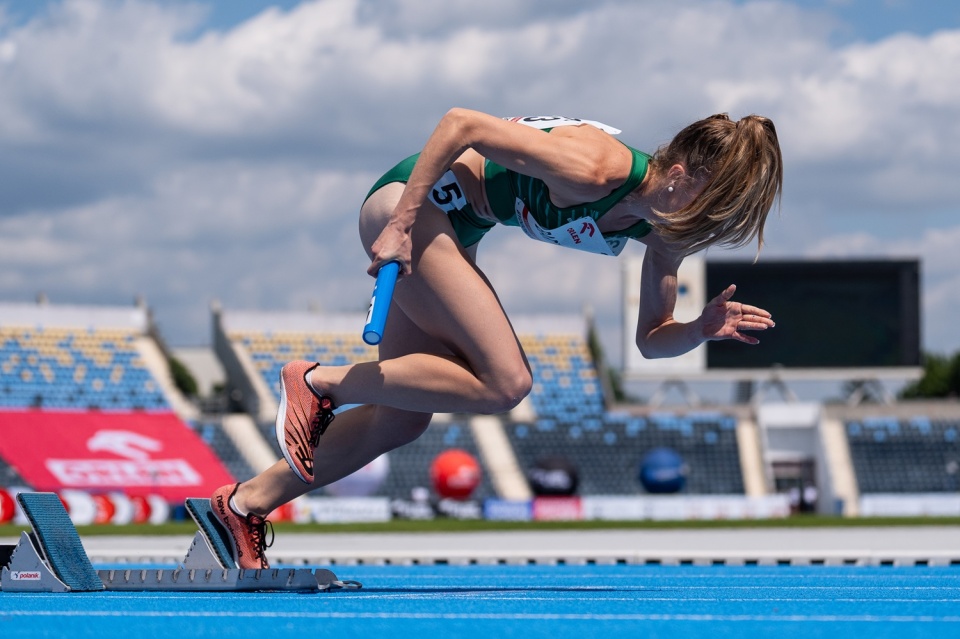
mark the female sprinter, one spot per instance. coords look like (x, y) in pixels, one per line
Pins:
(448, 346)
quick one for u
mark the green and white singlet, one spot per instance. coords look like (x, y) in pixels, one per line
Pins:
(520, 200)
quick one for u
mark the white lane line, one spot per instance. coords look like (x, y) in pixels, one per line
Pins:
(498, 616)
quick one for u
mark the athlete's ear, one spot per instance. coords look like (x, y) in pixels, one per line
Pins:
(676, 172)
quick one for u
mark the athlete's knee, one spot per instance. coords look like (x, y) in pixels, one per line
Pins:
(508, 391)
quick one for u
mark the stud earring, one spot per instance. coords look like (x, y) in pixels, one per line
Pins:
(669, 189)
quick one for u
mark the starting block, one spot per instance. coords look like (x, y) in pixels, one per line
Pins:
(51, 559)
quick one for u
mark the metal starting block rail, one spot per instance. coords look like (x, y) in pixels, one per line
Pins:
(52, 559)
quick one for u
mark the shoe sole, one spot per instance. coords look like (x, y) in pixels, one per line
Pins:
(282, 432)
(217, 532)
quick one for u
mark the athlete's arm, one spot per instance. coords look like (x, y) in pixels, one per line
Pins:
(577, 164)
(660, 335)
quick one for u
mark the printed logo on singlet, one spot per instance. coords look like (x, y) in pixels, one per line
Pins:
(553, 121)
(581, 234)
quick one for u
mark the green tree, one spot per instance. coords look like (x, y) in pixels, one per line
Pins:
(610, 378)
(182, 378)
(941, 378)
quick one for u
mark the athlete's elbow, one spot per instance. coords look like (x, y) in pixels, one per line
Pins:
(460, 122)
(647, 349)
(506, 392)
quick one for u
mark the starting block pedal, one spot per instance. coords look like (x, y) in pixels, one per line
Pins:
(52, 559)
(218, 540)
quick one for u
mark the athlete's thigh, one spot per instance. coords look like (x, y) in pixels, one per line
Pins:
(447, 298)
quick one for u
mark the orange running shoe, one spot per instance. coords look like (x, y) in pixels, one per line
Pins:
(303, 417)
(247, 532)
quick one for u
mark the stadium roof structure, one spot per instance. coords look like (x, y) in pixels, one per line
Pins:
(46, 315)
(333, 322)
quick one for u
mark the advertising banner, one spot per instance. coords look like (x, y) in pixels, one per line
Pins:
(557, 509)
(135, 452)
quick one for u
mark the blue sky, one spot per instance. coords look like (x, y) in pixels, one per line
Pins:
(188, 152)
(867, 20)
(872, 20)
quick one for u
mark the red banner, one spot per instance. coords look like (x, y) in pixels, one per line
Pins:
(557, 509)
(137, 453)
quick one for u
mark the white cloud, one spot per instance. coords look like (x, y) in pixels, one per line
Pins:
(253, 237)
(140, 153)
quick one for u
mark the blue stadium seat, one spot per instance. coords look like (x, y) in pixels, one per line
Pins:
(915, 455)
(64, 368)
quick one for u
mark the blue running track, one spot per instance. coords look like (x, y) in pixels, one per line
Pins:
(528, 601)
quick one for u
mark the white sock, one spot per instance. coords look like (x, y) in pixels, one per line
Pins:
(233, 506)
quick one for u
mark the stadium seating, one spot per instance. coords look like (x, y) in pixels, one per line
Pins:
(223, 447)
(565, 380)
(270, 351)
(915, 455)
(62, 368)
(608, 450)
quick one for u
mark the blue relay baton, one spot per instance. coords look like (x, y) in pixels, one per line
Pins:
(380, 302)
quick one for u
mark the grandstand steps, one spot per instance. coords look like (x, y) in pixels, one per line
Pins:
(155, 361)
(499, 459)
(266, 402)
(524, 411)
(840, 465)
(751, 457)
(243, 432)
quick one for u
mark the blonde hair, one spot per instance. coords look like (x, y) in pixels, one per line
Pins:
(744, 171)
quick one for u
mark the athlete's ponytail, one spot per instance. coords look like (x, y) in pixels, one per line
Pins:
(742, 164)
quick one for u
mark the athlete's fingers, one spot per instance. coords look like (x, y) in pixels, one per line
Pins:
(752, 325)
(746, 339)
(724, 295)
(766, 320)
(746, 309)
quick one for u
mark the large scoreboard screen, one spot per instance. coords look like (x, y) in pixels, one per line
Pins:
(829, 314)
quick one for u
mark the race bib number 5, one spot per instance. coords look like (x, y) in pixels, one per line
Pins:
(447, 193)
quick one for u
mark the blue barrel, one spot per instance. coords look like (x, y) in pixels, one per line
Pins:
(663, 471)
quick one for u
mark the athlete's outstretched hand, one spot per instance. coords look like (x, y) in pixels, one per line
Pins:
(723, 319)
(393, 244)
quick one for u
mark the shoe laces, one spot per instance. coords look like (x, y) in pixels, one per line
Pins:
(321, 420)
(257, 528)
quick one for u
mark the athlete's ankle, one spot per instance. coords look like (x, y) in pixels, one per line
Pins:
(317, 380)
(243, 502)
(236, 502)
(310, 381)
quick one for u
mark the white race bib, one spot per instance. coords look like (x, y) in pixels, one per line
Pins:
(553, 121)
(447, 194)
(581, 234)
